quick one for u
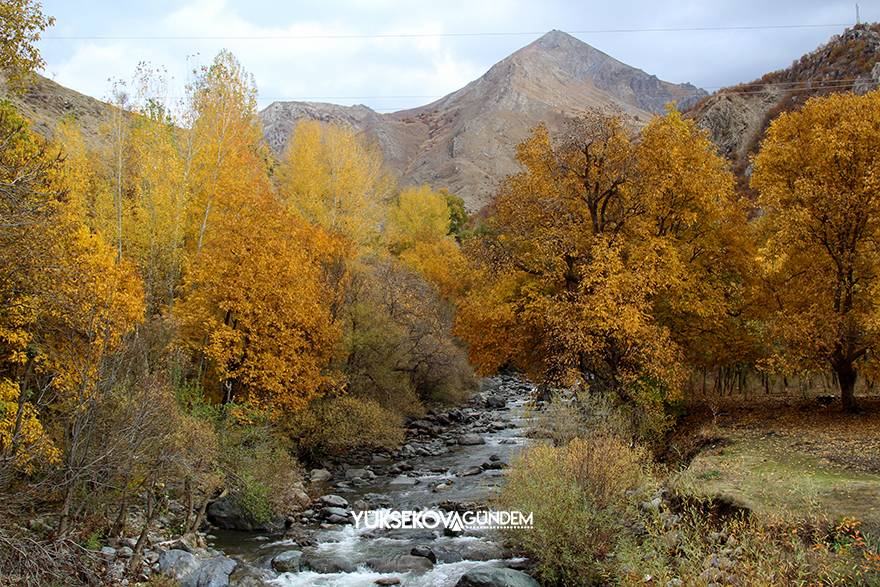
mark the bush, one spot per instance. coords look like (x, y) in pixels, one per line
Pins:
(696, 547)
(335, 425)
(260, 472)
(580, 495)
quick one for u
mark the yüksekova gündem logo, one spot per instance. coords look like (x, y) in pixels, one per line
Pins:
(432, 519)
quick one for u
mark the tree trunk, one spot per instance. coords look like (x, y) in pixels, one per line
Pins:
(846, 379)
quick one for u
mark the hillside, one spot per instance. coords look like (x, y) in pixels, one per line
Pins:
(466, 140)
(737, 117)
(45, 103)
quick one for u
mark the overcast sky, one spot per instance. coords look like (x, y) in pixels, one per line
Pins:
(391, 73)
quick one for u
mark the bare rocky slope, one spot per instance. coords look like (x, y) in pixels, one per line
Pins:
(466, 141)
(45, 103)
(737, 117)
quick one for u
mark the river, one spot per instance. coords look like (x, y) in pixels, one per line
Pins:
(441, 466)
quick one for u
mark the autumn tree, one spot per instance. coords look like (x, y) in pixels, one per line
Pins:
(227, 153)
(336, 179)
(258, 304)
(816, 174)
(21, 23)
(66, 305)
(419, 231)
(589, 251)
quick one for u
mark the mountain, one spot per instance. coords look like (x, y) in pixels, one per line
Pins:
(466, 140)
(737, 117)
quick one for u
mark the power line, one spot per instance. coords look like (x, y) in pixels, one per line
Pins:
(432, 35)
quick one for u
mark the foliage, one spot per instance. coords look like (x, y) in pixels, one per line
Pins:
(741, 550)
(23, 440)
(259, 470)
(21, 23)
(816, 174)
(606, 260)
(257, 305)
(579, 494)
(397, 349)
(337, 180)
(419, 215)
(336, 425)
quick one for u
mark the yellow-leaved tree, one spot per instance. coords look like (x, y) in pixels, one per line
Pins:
(418, 232)
(819, 185)
(336, 179)
(260, 287)
(65, 301)
(258, 304)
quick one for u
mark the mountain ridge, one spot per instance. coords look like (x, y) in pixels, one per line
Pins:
(466, 140)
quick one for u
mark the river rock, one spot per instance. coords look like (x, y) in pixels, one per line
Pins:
(359, 474)
(178, 563)
(402, 481)
(480, 550)
(287, 561)
(471, 439)
(495, 577)
(333, 511)
(319, 475)
(469, 471)
(447, 555)
(386, 581)
(424, 551)
(190, 571)
(214, 572)
(333, 501)
(400, 563)
(226, 513)
(494, 402)
(326, 562)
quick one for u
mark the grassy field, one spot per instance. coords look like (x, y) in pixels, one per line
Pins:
(795, 460)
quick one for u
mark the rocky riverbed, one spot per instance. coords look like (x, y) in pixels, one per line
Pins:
(452, 460)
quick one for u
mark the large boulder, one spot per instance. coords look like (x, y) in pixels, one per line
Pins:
(178, 564)
(215, 572)
(495, 577)
(227, 514)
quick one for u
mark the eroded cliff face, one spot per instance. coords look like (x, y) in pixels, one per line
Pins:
(737, 117)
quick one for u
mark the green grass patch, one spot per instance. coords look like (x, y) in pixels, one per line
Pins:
(769, 476)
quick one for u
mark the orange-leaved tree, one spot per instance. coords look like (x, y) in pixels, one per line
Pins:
(817, 176)
(589, 249)
(259, 303)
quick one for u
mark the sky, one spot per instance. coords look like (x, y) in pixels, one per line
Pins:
(345, 51)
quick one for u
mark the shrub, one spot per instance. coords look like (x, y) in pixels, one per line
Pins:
(697, 548)
(260, 471)
(338, 424)
(580, 495)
